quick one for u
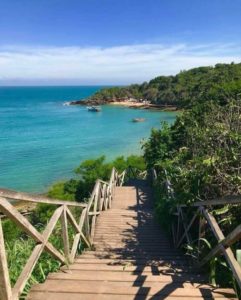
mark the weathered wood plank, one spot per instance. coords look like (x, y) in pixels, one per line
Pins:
(72, 220)
(103, 196)
(234, 265)
(75, 296)
(24, 224)
(96, 202)
(5, 287)
(65, 235)
(82, 224)
(77, 227)
(125, 276)
(186, 228)
(37, 251)
(85, 224)
(231, 238)
(91, 213)
(9, 194)
(121, 288)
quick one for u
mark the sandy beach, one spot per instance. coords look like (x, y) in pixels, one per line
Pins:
(129, 103)
(133, 104)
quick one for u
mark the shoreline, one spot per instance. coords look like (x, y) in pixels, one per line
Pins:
(124, 103)
(132, 104)
(72, 132)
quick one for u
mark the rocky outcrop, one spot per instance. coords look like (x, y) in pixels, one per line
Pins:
(90, 102)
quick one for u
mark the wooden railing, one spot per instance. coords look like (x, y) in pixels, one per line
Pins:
(84, 226)
(185, 223)
(202, 212)
(132, 172)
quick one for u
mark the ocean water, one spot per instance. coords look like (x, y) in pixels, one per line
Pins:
(43, 141)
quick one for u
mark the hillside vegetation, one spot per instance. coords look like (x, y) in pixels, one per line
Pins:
(218, 83)
(200, 155)
(201, 151)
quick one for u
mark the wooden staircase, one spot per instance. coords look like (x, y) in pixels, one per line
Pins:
(132, 259)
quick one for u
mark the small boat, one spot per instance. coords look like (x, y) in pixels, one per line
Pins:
(94, 108)
(135, 120)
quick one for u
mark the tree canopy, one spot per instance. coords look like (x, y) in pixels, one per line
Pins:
(218, 83)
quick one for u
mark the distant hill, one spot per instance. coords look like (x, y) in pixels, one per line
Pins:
(217, 83)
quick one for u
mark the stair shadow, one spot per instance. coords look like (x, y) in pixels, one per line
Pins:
(145, 219)
(145, 244)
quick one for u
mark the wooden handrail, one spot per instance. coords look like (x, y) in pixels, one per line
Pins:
(101, 198)
(223, 246)
(13, 195)
(234, 265)
(199, 210)
(133, 172)
(231, 238)
(231, 199)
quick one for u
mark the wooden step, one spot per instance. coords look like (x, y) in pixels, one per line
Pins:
(126, 276)
(154, 242)
(144, 243)
(76, 296)
(127, 241)
(128, 228)
(127, 212)
(128, 284)
(144, 238)
(134, 255)
(140, 261)
(121, 288)
(133, 260)
(137, 257)
(142, 218)
(134, 227)
(132, 247)
(131, 244)
(129, 268)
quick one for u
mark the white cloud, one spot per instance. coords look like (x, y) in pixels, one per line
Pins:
(117, 65)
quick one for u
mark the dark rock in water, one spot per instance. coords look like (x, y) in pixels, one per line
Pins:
(78, 102)
(90, 102)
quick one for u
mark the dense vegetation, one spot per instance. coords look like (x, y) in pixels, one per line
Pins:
(201, 151)
(79, 188)
(201, 156)
(202, 84)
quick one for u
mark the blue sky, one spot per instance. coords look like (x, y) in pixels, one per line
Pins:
(113, 42)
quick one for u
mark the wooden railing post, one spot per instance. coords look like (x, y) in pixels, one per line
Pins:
(5, 287)
(186, 227)
(96, 200)
(87, 225)
(201, 232)
(65, 235)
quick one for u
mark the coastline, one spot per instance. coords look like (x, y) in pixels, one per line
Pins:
(132, 104)
(75, 134)
(125, 103)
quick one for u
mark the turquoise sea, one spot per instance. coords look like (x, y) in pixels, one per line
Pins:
(42, 141)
